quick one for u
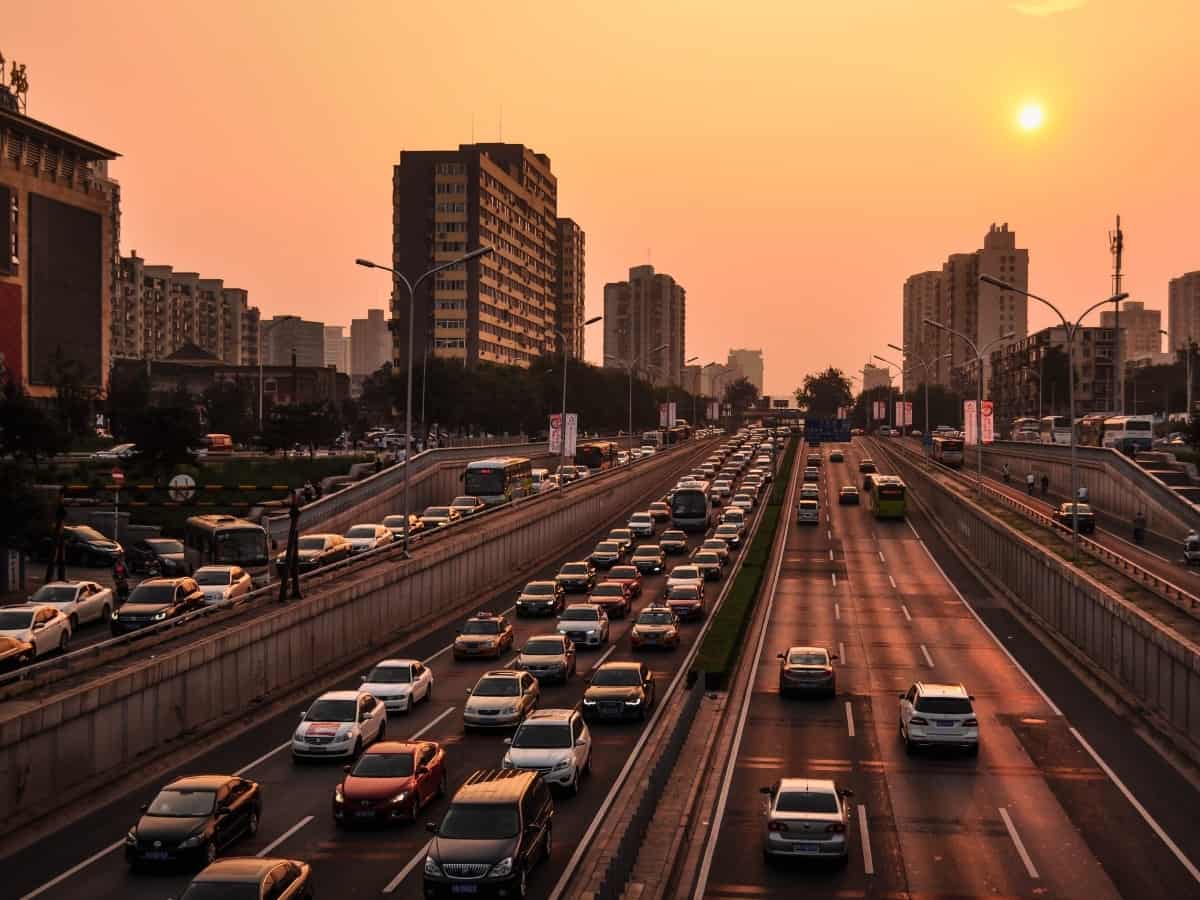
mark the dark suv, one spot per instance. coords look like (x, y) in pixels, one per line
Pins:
(156, 600)
(496, 830)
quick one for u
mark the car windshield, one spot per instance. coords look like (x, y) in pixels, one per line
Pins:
(608, 547)
(390, 675)
(647, 550)
(716, 546)
(580, 615)
(617, 677)
(240, 546)
(685, 572)
(182, 804)
(539, 588)
(726, 529)
(469, 502)
(212, 577)
(622, 572)
(153, 593)
(608, 589)
(497, 687)
(804, 802)
(13, 621)
(654, 618)
(808, 504)
(674, 536)
(161, 545)
(544, 647)
(1081, 509)
(542, 736)
(331, 711)
(479, 822)
(684, 592)
(573, 569)
(89, 534)
(384, 765)
(708, 558)
(55, 593)
(806, 658)
(361, 531)
(437, 512)
(640, 517)
(481, 626)
(312, 543)
(944, 705)
(220, 890)
(849, 489)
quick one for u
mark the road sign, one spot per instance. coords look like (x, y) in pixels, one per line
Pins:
(118, 476)
(182, 488)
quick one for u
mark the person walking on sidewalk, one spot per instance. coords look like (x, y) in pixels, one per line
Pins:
(1029, 483)
(1004, 471)
(1045, 484)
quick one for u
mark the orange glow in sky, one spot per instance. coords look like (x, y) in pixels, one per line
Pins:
(789, 162)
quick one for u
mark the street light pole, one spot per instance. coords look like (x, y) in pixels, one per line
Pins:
(562, 422)
(689, 360)
(630, 366)
(261, 329)
(411, 287)
(925, 365)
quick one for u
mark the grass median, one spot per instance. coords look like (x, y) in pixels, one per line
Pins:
(722, 645)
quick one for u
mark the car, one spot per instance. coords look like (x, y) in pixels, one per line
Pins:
(576, 577)
(729, 533)
(743, 501)
(541, 598)
(848, 495)
(868, 481)
(647, 450)
(614, 597)
(623, 458)
(751, 484)
(484, 634)
(555, 742)
(496, 829)
(399, 684)
(628, 576)
(717, 546)
(808, 512)
(708, 562)
(641, 524)
(648, 559)
(856, 432)
(85, 546)
(221, 584)
(813, 459)
(501, 699)
(721, 489)
(865, 465)
(156, 600)
(338, 724)
(812, 473)
(1082, 512)
(15, 652)
(117, 452)
(810, 492)
(253, 876)
(82, 601)
(361, 538)
(635, 454)
(656, 626)
(467, 506)
(568, 473)
(836, 456)
(938, 715)
(807, 817)
(622, 535)
(396, 524)
(314, 551)
(685, 600)
(192, 819)
(659, 511)
(440, 516)
(46, 628)
(807, 670)
(685, 573)
(606, 555)
(619, 690)
(735, 515)
(168, 553)
(584, 623)
(547, 657)
(392, 781)
(673, 541)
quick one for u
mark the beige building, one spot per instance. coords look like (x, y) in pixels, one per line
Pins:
(875, 377)
(337, 348)
(640, 316)
(750, 363)
(570, 274)
(922, 300)
(251, 336)
(714, 378)
(370, 343)
(1140, 329)
(286, 336)
(1183, 310)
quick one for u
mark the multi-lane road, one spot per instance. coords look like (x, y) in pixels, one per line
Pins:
(1047, 808)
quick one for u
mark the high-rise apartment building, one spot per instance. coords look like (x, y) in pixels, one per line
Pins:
(370, 343)
(337, 348)
(922, 300)
(284, 336)
(714, 378)
(251, 336)
(644, 321)
(750, 363)
(232, 315)
(1183, 310)
(875, 377)
(1140, 329)
(1022, 386)
(501, 308)
(570, 275)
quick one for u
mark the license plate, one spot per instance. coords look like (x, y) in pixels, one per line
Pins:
(464, 888)
(946, 723)
(807, 848)
(157, 854)
(367, 814)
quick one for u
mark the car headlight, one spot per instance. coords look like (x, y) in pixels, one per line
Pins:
(159, 616)
(502, 868)
(431, 867)
(506, 763)
(634, 701)
(115, 615)
(591, 631)
(489, 643)
(588, 702)
(194, 841)
(131, 838)
(565, 764)
(509, 710)
(400, 797)
(338, 796)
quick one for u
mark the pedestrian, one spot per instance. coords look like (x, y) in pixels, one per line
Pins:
(1045, 484)
(1029, 483)
(1139, 527)
(1004, 471)
(1083, 493)
(121, 580)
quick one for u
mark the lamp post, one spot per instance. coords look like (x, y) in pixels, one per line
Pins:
(1072, 329)
(265, 327)
(562, 422)
(925, 365)
(630, 366)
(411, 286)
(689, 361)
(979, 392)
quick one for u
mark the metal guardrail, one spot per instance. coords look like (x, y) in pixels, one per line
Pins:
(1181, 599)
(87, 657)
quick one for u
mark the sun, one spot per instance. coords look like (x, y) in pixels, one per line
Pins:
(1031, 116)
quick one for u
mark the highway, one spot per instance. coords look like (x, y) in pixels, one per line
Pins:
(85, 857)
(1041, 811)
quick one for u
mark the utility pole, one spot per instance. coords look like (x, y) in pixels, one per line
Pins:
(1116, 246)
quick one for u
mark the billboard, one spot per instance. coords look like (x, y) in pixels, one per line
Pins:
(714, 410)
(555, 435)
(970, 435)
(572, 432)
(878, 409)
(664, 415)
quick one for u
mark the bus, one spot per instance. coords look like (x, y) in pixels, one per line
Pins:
(1055, 429)
(227, 541)
(1089, 430)
(691, 507)
(1129, 434)
(596, 455)
(886, 497)
(499, 479)
(948, 451)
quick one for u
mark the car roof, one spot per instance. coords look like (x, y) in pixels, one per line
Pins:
(501, 673)
(396, 661)
(217, 567)
(935, 689)
(496, 786)
(550, 715)
(338, 695)
(620, 664)
(163, 581)
(552, 636)
(547, 582)
(395, 747)
(804, 649)
(65, 583)
(198, 782)
(807, 785)
(238, 869)
(582, 606)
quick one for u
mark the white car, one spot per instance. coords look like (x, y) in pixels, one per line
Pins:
(46, 627)
(555, 742)
(400, 683)
(116, 452)
(623, 458)
(807, 817)
(734, 515)
(362, 538)
(641, 524)
(808, 512)
(743, 501)
(686, 574)
(647, 450)
(81, 601)
(938, 715)
(541, 481)
(339, 723)
(584, 624)
(220, 584)
(729, 533)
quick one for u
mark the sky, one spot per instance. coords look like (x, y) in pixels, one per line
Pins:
(789, 162)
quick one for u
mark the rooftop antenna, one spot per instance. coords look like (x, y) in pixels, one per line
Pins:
(1116, 246)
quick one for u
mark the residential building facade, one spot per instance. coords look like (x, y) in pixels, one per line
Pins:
(285, 337)
(750, 363)
(1183, 310)
(1140, 329)
(875, 377)
(370, 343)
(644, 322)
(923, 300)
(570, 274)
(1022, 385)
(337, 348)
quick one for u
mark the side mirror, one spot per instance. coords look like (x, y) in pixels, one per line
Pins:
(508, 742)
(144, 807)
(833, 656)
(422, 770)
(846, 792)
(363, 678)
(431, 827)
(580, 742)
(222, 809)
(901, 696)
(346, 768)
(302, 716)
(765, 790)
(970, 696)
(468, 692)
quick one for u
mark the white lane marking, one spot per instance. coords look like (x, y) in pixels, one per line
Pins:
(833, 575)
(849, 718)
(907, 614)
(1012, 659)
(831, 554)
(865, 840)
(250, 765)
(409, 866)
(837, 612)
(603, 656)
(266, 851)
(841, 652)
(829, 531)
(893, 581)
(100, 854)
(428, 727)
(1020, 845)
(928, 658)
(430, 659)
(881, 559)
(509, 664)
(1142, 811)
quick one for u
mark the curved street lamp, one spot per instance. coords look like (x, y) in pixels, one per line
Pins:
(562, 423)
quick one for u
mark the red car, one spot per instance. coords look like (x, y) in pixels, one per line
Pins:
(391, 782)
(628, 576)
(613, 597)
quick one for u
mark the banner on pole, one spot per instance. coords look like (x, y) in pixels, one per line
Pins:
(989, 434)
(572, 432)
(664, 412)
(878, 410)
(714, 410)
(556, 435)
(970, 436)
(672, 415)
(908, 413)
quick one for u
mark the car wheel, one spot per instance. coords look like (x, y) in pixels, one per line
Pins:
(62, 643)
(105, 613)
(587, 764)
(252, 823)
(429, 692)
(973, 750)
(74, 620)
(546, 845)
(573, 787)
(843, 860)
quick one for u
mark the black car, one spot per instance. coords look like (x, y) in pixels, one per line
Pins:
(648, 559)
(167, 552)
(619, 690)
(316, 550)
(1083, 513)
(15, 653)
(606, 555)
(193, 819)
(673, 541)
(156, 600)
(496, 830)
(546, 598)
(577, 577)
(848, 495)
(85, 546)
(865, 465)
(253, 876)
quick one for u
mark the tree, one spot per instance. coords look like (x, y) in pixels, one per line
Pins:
(822, 394)
(301, 424)
(227, 409)
(73, 400)
(128, 397)
(862, 414)
(740, 395)
(166, 435)
(945, 406)
(26, 431)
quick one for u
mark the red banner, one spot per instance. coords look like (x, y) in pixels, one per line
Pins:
(11, 357)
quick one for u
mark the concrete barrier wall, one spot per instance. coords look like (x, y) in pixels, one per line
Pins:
(58, 748)
(1150, 662)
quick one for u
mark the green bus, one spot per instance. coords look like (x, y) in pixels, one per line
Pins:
(886, 497)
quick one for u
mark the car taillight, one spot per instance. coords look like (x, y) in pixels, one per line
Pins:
(836, 828)
(918, 720)
(777, 826)
(971, 723)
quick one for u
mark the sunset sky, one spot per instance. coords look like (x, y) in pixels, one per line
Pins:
(789, 162)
